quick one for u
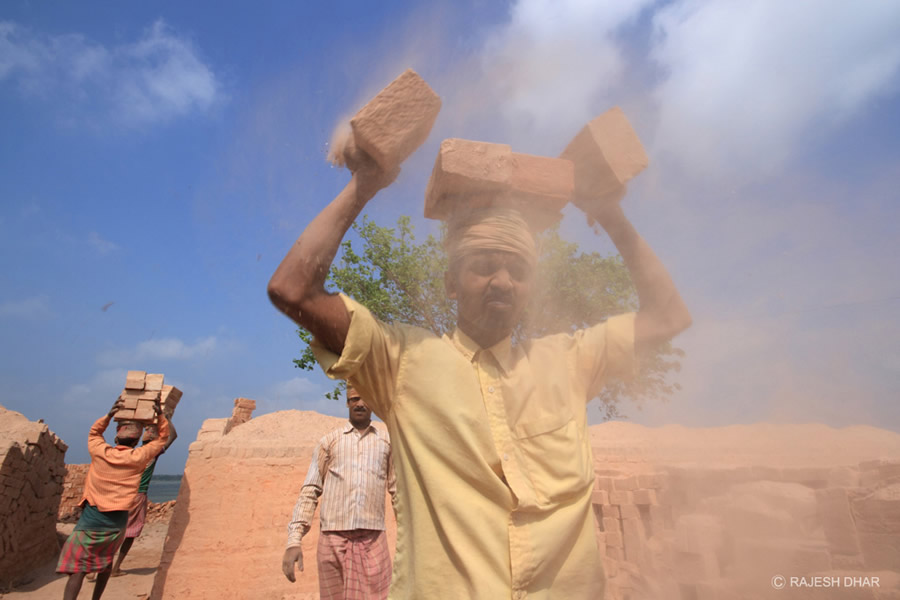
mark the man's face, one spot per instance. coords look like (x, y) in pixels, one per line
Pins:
(491, 289)
(359, 412)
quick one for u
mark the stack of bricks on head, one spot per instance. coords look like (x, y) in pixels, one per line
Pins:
(142, 391)
(597, 164)
(467, 175)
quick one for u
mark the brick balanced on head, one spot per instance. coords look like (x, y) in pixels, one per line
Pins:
(598, 162)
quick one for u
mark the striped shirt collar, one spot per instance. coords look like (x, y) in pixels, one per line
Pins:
(348, 428)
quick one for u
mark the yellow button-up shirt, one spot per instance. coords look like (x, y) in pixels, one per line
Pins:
(492, 453)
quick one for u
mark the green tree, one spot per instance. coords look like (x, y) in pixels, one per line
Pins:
(400, 279)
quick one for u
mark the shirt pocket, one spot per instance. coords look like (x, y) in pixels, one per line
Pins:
(556, 456)
(377, 460)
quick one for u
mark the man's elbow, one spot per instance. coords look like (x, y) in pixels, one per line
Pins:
(680, 321)
(287, 297)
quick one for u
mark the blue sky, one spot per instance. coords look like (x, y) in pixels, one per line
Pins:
(158, 160)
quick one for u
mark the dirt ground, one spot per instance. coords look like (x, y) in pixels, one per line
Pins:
(139, 567)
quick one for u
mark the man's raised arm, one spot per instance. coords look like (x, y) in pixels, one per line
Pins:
(298, 286)
(662, 314)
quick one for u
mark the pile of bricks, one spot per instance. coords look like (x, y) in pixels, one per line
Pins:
(73, 488)
(142, 391)
(242, 412)
(32, 467)
(627, 513)
(160, 512)
(723, 533)
(595, 166)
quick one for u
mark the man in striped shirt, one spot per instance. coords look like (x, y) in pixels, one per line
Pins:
(109, 490)
(351, 469)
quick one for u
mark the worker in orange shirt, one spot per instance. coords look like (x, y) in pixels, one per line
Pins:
(109, 491)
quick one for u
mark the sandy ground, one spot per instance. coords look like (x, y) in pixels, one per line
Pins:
(139, 567)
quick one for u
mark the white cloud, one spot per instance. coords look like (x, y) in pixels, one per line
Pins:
(554, 62)
(173, 348)
(35, 307)
(104, 385)
(155, 79)
(163, 349)
(747, 83)
(101, 245)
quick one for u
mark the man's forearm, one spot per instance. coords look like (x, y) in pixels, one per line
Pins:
(305, 267)
(662, 313)
(302, 515)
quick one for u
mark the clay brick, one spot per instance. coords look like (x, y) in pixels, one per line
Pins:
(645, 497)
(245, 403)
(467, 171)
(616, 553)
(607, 154)
(599, 497)
(126, 414)
(543, 181)
(397, 120)
(614, 538)
(170, 395)
(634, 537)
(154, 382)
(609, 524)
(625, 484)
(134, 380)
(629, 511)
(144, 412)
(621, 498)
(603, 483)
(610, 512)
(130, 399)
(149, 396)
(469, 174)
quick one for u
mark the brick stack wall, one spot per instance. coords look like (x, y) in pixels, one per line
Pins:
(693, 533)
(32, 468)
(73, 487)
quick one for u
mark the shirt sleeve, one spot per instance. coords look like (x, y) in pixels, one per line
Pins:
(370, 358)
(96, 442)
(305, 508)
(147, 452)
(605, 351)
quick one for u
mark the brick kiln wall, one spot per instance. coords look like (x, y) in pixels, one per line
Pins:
(229, 528)
(681, 514)
(32, 467)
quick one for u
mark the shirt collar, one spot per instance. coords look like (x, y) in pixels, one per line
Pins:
(348, 428)
(501, 351)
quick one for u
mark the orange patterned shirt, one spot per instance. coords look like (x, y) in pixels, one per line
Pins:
(115, 473)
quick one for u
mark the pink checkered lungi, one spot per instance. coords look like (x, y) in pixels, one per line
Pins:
(137, 516)
(353, 565)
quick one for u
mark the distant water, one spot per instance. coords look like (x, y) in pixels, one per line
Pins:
(164, 488)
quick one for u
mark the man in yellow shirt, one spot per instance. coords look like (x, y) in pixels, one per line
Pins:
(490, 439)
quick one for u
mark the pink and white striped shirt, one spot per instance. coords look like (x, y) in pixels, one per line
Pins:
(351, 472)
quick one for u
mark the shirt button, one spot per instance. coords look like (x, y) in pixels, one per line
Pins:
(491, 389)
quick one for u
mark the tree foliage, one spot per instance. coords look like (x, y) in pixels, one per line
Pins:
(400, 279)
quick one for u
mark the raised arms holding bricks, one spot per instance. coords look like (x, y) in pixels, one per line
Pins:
(386, 131)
